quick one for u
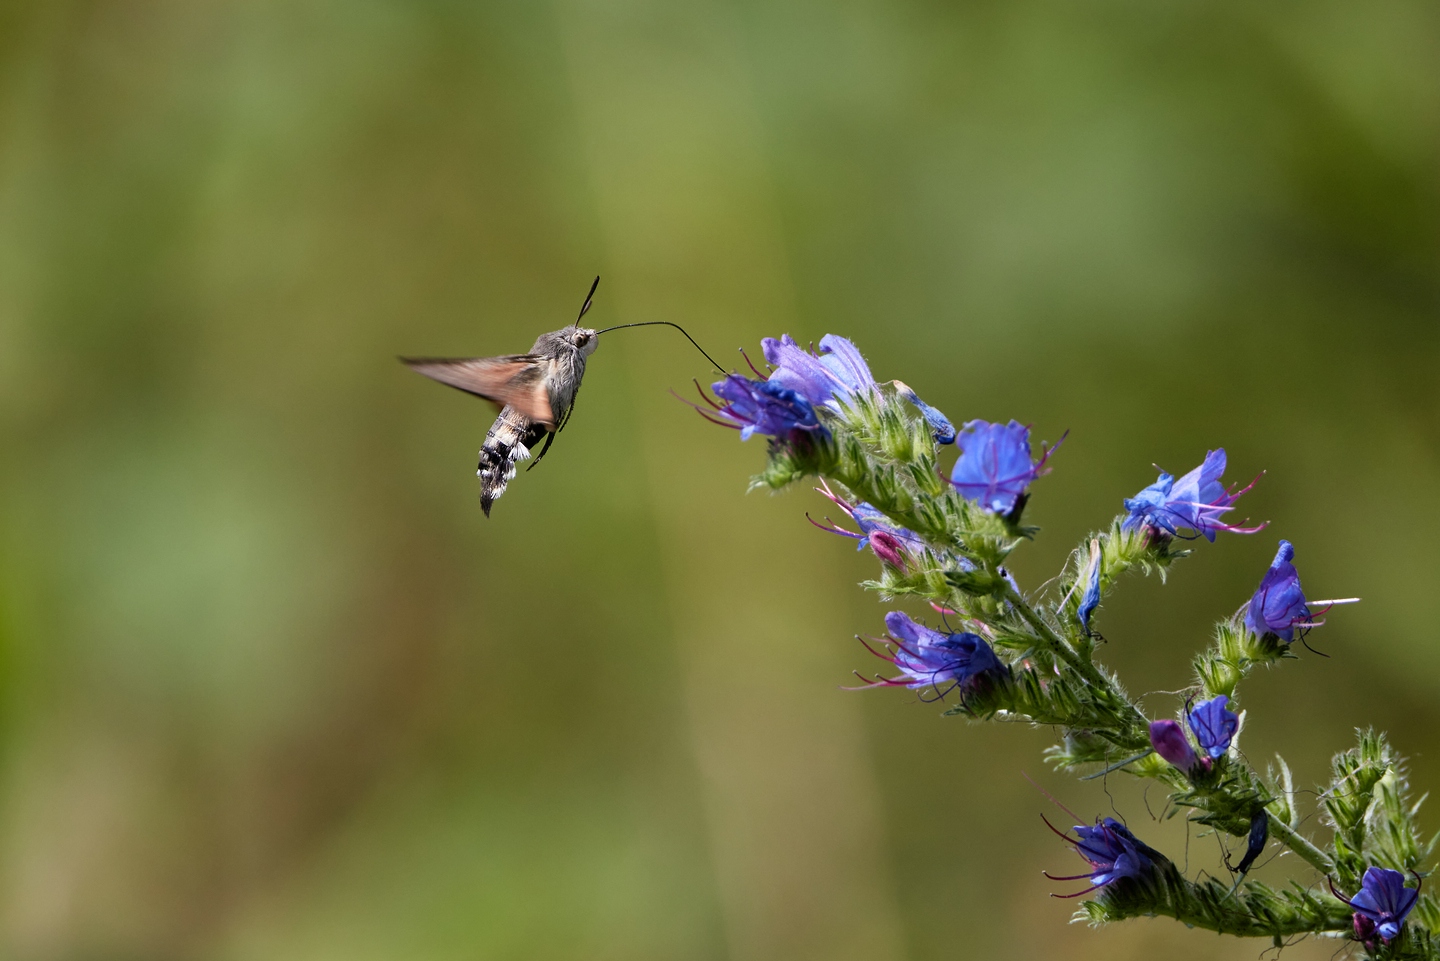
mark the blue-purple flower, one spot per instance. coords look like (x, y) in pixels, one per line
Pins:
(1113, 853)
(929, 658)
(761, 406)
(1278, 606)
(1168, 739)
(1254, 843)
(1383, 901)
(835, 374)
(995, 468)
(1194, 502)
(1214, 725)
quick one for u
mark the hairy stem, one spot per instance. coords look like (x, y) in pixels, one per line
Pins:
(1301, 845)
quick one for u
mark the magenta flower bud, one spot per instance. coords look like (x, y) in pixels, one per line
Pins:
(888, 548)
(1168, 739)
(1364, 930)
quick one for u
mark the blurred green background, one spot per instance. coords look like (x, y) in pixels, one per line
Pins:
(273, 688)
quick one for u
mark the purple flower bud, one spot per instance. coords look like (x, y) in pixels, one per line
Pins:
(995, 468)
(763, 406)
(1384, 901)
(1168, 739)
(1214, 725)
(1255, 843)
(1364, 929)
(940, 426)
(1278, 606)
(1194, 502)
(1091, 598)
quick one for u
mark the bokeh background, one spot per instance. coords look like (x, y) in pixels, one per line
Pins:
(271, 687)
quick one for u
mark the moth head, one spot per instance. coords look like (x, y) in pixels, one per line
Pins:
(583, 339)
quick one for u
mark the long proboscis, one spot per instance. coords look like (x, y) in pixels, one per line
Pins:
(666, 323)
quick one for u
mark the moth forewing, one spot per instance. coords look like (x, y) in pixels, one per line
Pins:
(514, 380)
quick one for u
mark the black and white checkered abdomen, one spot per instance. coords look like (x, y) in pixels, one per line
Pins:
(507, 443)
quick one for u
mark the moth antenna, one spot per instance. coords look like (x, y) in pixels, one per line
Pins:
(588, 298)
(666, 323)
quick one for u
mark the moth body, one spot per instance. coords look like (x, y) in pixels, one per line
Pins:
(535, 391)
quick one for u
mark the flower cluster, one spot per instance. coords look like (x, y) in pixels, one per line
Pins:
(786, 399)
(944, 536)
(1214, 726)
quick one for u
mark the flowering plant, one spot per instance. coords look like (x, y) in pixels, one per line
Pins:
(944, 538)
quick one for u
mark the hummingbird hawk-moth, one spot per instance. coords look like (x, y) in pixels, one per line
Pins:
(535, 392)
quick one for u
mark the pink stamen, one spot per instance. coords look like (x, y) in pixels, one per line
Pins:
(885, 656)
(752, 365)
(840, 502)
(833, 529)
(1058, 833)
(704, 413)
(1077, 893)
(703, 396)
(878, 682)
(1235, 495)
(1052, 799)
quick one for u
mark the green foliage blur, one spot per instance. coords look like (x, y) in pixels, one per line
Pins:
(271, 687)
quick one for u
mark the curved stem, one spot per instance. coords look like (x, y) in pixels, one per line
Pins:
(1301, 845)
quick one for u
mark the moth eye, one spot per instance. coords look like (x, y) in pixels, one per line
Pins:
(581, 339)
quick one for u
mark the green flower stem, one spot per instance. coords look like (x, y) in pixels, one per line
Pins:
(1080, 665)
(1298, 843)
(1281, 831)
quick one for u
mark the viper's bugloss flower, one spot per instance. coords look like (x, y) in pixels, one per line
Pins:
(1384, 901)
(764, 407)
(995, 468)
(1194, 502)
(834, 374)
(1214, 725)
(1168, 739)
(1278, 606)
(929, 658)
(1113, 853)
(1255, 843)
(1091, 598)
(893, 544)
